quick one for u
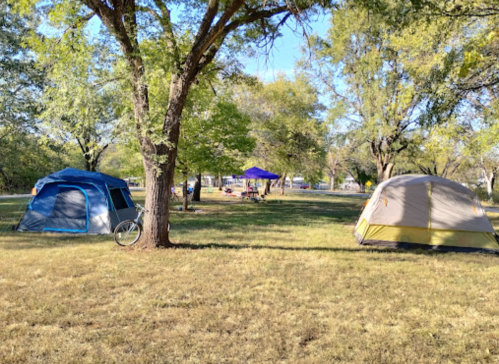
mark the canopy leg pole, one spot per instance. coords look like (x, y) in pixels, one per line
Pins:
(429, 212)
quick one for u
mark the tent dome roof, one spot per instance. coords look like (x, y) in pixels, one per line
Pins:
(101, 180)
(416, 179)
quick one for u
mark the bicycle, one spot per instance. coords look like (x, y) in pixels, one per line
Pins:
(128, 232)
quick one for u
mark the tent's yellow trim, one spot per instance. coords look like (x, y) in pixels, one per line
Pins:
(361, 228)
(459, 238)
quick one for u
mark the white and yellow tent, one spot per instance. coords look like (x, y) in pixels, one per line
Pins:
(417, 211)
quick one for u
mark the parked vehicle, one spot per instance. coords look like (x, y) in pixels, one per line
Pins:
(304, 186)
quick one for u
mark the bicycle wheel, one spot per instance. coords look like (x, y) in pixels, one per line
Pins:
(127, 233)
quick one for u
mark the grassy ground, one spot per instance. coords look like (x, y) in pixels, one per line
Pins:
(282, 282)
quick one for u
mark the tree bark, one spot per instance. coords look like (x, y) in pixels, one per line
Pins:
(380, 170)
(383, 168)
(158, 173)
(383, 165)
(387, 174)
(86, 151)
(331, 182)
(490, 186)
(332, 165)
(267, 188)
(283, 184)
(97, 157)
(490, 179)
(197, 189)
(185, 194)
(87, 165)
(220, 182)
(156, 216)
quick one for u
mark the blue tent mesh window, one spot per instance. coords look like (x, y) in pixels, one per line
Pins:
(119, 201)
(69, 212)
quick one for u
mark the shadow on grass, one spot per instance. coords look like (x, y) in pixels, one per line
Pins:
(24, 240)
(358, 249)
(293, 213)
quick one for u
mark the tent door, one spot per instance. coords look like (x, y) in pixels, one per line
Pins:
(70, 211)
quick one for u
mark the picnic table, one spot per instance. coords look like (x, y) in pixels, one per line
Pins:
(251, 194)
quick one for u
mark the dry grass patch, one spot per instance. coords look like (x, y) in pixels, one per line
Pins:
(252, 283)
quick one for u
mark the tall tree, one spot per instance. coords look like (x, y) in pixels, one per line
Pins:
(482, 147)
(290, 137)
(361, 66)
(214, 137)
(189, 46)
(337, 153)
(457, 40)
(80, 97)
(20, 86)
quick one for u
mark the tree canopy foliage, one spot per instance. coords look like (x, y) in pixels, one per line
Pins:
(24, 155)
(290, 136)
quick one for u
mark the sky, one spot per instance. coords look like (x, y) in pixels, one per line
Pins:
(286, 50)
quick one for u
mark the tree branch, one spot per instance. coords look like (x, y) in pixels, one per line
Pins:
(78, 22)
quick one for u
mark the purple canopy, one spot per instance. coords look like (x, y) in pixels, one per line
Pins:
(257, 173)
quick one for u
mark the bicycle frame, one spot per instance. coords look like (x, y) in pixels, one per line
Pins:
(141, 211)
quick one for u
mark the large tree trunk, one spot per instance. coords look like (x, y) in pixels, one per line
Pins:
(157, 205)
(96, 158)
(283, 184)
(220, 182)
(388, 171)
(267, 187)
(85, 150)
(490, 186)
(156, 226)
(197, 189)
(331, 182)
(380, 170)
(383, 165)
(490, 179)
(185, 194)
(384, 169)
(332, 164)
(88, 166)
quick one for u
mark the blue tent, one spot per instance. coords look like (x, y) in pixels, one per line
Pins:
(257, 173)
(78, 201)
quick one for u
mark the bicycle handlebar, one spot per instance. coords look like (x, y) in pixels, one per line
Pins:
(140, 207)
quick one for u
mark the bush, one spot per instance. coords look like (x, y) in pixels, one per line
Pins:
(481, 192)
